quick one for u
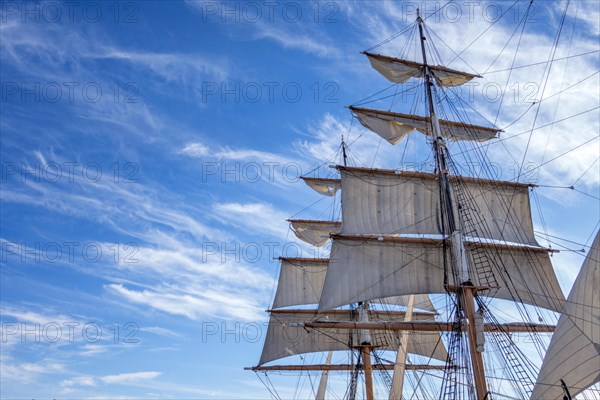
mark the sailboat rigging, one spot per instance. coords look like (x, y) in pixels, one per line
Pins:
(407, 235)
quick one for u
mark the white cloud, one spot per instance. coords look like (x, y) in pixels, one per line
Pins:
(117, 379)
(157, 330)
(365, 148)
(229, 153)
(28, 372)
(305, 41)
(183, 304)
(180, 68)
(93, 349)
(23, 43)
(178, 254)
(79, 381)
(586, 12)
(300, 33)
(113, 203)
(32, 317)
(130, 377)
(328, 133)
(256, 217)
(222, 304)
(194, 149)
(200, 150)
(246, 165)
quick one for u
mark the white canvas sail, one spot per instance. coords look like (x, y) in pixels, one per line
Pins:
(301, 282)
(285, 339)
(421, 301)
(387, 202)
(324, 186)
(363, 268)
(393, 127)
(314, 232)
(399, 71)
(574, 352)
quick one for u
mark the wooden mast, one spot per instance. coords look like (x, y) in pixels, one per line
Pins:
(476, 355)
(400, 365)
(466, 292)
(365, 342)
(366, 354)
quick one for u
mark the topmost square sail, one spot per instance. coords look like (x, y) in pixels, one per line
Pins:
(399, 71)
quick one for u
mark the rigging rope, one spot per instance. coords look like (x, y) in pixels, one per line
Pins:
(542, 62)
(482, 33)
(585, 172)
(561, 155)
(524, 20)
(394, 36)
(562, 81)
(545, 79)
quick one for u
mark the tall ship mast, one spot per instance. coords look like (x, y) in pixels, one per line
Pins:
(408, 237)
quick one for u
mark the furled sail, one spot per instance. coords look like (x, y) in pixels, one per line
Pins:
(393, 127)
(386, 202)
(574, 351)
(301, 282)
(324, 186)
(363, 268)
(399, 71)
(314, 232)
(284, 339)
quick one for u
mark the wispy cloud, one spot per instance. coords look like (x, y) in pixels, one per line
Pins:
(157, 330)
(130, 377)
(209, 303)
(201, 150)
(195, 149)
(79, 381)
(117, 379)
(175, 68)
(120, 202)
(296, 39)
(124, 99)
(180, 260)
(28, 372)
(32, 317)
(22, 44)
(296, 32)
(323, 144)
(257, 217)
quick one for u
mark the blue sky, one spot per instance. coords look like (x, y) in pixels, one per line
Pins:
(151, 153)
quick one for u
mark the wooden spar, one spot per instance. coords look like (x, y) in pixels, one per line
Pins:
(323, 383)
(317, 221)
(426, 326)
(344, 367)
(432, 177)
(366, 353)
(347, 313)
(323, 180)
(476, 356)
(441, 240)
(400, 365)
